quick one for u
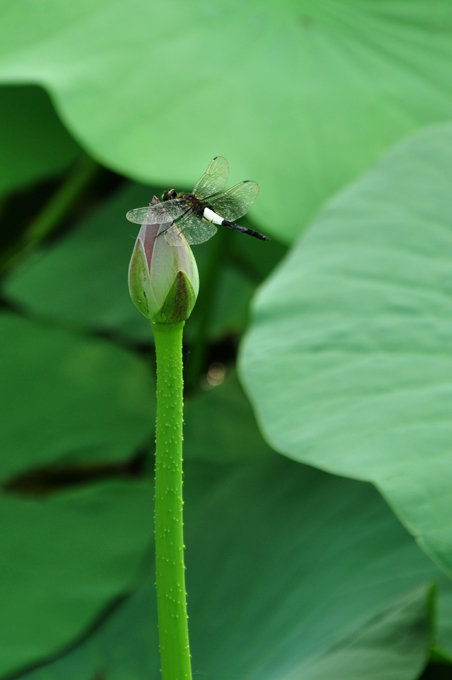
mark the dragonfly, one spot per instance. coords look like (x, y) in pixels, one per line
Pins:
(195, 217)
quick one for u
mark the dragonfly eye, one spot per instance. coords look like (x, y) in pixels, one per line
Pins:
(170, 194)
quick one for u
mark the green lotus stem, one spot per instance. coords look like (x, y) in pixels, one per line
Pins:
(169, 544)
(63, 201)
(54, 212)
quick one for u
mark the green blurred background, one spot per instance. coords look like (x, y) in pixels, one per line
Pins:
(318, 370)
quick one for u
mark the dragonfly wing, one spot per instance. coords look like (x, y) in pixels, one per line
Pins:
(189, 229)
(159, 213)
(236, 201)
(214, 179)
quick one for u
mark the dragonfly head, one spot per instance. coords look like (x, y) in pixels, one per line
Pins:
(168, 195)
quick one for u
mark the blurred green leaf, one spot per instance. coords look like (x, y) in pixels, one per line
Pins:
(231, 266)
(444, 617)
(291, 573)
(254, 258)
(82, 279)
(220, 427)
(63, 561)
(348, 360)
(229, 307)
(34, 144)
(68, 399)
(301, 97)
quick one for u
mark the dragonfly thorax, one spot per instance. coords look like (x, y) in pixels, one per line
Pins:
(192, 201)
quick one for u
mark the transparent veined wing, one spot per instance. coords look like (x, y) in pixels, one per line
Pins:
(236, 201)
(159, 213)
(189, 228)
(214, 179)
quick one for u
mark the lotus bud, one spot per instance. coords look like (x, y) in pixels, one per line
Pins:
(163, 279)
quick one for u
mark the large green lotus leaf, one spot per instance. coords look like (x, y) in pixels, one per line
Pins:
(34, 144)
(348, 360)
(82, 278)
(63, 560)
(68, 399)
(292, 573)
(300, 96)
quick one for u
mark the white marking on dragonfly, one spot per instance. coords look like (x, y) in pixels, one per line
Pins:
(212, 216)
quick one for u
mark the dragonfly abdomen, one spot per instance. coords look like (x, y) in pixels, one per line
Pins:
(212, 216)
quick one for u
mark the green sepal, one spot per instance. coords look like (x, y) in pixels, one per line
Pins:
(139, 286)
(178, 303)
